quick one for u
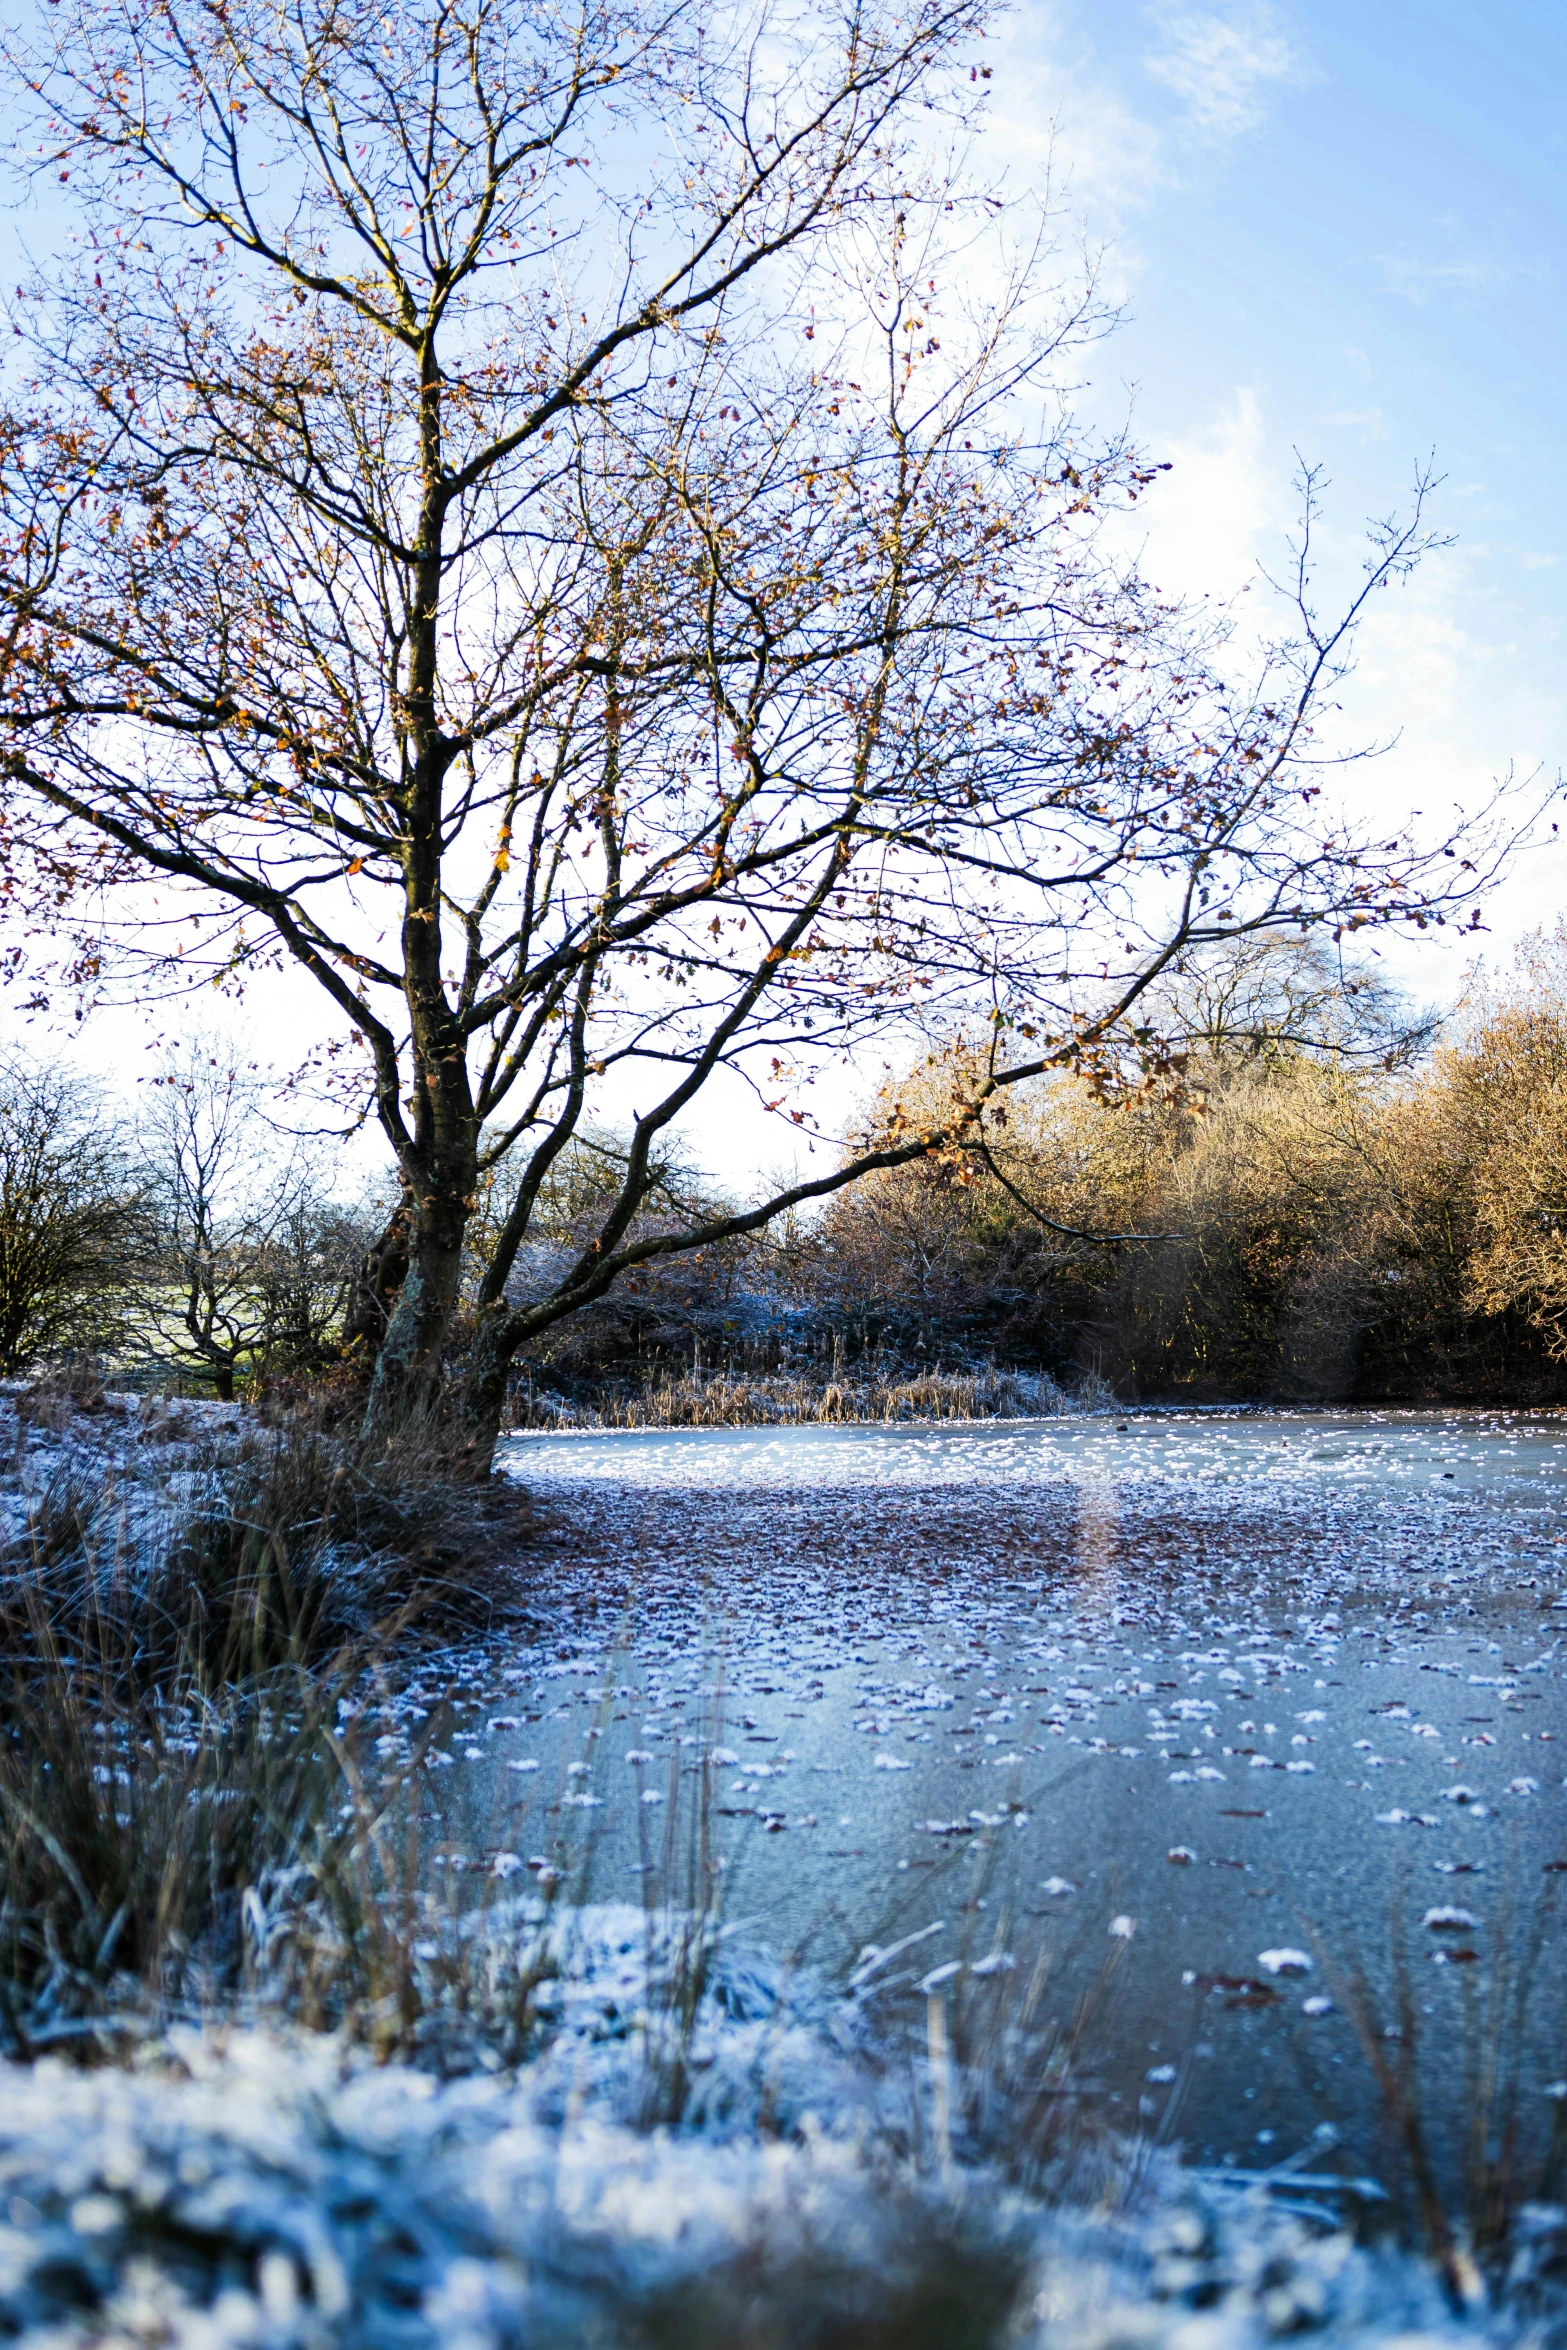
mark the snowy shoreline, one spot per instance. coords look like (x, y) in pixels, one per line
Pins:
(616, 2124)
(253, 2186)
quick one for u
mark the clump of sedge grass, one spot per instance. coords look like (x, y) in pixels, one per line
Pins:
(180, 1640)
(269, 1550)
(1475, 2137)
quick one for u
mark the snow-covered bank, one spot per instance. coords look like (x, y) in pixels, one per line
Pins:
(252, 2187)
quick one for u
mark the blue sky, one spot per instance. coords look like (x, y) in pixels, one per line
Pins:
(1338, 229)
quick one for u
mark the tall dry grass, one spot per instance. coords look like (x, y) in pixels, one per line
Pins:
(1475, 2141)
(721, 1399)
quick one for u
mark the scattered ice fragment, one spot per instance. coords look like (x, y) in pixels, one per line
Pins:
(1000, 1962)
(1556, 2089)
(579, 1770)
(523, 1763)
(1459, 1794)
(1300, 1769)
(640, 1754)
(1523, 1786)
(874, 1957)
(892, 1762)
(652, 1795)
(1180, 1778)
(1183, 1856)
(1160, 2073)
(1059, 1885)
(96, 2215)
(1319, 2004)
(583, 1802)
(722, 1756)
(1122, 1929)
(1207, 1771)
(1285, 1962)
(504, 1864)
(941, 1974)
(1448, 1919)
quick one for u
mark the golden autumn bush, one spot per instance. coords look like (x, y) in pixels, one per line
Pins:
(1314, 1202)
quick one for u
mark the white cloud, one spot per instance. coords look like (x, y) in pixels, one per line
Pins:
(1451, 670)
(1054, 115)
(1059, 114)
(1462, 680)
(1223, 505)
(1225, 65)
(1368, 423)
(1418, 276)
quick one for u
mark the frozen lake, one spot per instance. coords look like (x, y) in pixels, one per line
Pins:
(1186, 1689)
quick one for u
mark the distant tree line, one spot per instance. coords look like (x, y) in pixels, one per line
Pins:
(1328, 1199)
(1320, 1197)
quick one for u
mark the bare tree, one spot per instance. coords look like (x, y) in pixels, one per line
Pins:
(249, 1263)
(1274, 993)
(68, 1216)
(526, 516)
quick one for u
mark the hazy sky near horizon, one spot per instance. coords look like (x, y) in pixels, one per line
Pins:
(1336, 233)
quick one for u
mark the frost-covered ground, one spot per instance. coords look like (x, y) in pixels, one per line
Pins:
(245, 2186)
(1234, 1703)
(147, 1446)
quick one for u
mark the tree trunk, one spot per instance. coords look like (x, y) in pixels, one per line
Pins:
(223, 1380)
(484, 1392)
(408, 1365)
(375, 1292)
